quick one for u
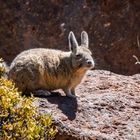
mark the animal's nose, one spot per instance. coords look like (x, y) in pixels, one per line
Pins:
(89, 62)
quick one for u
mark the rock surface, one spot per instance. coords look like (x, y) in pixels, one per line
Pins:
(107, 108)
(113, 27)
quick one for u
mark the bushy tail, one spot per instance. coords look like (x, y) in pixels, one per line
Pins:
(4, 68)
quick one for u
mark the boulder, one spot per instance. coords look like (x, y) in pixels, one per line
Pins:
(107, 107)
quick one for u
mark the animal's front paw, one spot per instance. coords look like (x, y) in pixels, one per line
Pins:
(69, 93)
(72, 96)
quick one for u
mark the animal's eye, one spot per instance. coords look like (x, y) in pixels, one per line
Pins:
(78, 56)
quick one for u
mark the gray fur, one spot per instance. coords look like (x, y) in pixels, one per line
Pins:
(51, 69)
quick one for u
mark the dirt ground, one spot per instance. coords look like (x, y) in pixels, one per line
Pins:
(107, 107)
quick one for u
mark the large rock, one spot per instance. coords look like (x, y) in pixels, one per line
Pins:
(113, 28)
(107, 107)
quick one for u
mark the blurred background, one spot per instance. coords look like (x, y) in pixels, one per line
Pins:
(113, 28)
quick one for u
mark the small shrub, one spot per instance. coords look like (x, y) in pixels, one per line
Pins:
(19, 118)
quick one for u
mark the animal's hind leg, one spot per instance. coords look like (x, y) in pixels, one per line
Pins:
(44, 93)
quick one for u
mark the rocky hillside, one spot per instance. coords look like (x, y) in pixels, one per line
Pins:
(108, 104)
(107, 108)
(113, 28)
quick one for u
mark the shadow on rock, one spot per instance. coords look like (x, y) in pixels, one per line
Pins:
(67, 105)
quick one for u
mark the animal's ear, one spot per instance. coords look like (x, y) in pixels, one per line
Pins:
(72, 42)
(84, 39)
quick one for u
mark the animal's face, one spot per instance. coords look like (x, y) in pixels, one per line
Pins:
(81, 55)
(82, 58)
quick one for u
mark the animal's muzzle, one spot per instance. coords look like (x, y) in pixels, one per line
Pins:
(90, 64)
